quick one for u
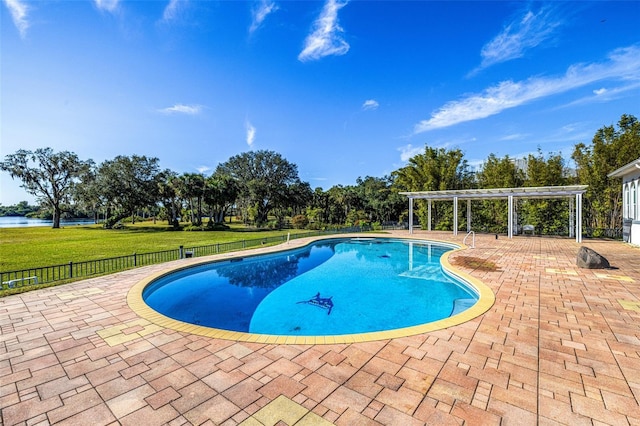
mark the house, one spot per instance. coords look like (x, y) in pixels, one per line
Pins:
(630, 175)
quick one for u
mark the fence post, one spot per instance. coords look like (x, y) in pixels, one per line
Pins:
(70, 269)
(135, 259)
(181, 252)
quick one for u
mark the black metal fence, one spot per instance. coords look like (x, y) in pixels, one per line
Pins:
(613, 233)
(77, 270)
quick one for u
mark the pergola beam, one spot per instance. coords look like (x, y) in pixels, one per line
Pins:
(511, 194)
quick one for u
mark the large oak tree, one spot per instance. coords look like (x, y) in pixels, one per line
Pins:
(264, 179)
(48, 175)
(127, 184)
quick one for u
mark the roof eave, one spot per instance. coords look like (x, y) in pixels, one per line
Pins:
(625, 169)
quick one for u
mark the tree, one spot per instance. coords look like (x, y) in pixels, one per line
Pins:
(435, 170)
(318, 209)
(191, 188)
(496, 173)
(48, 175)
(127, 184)
(264, 178)
(343, 204)
(550, 216)
(300, 196)
(87, 194)
(610, 149)
(380, 202)
(220, 193)
(21, 209)
(168, 193)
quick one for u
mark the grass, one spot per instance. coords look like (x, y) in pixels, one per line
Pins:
(22, 248)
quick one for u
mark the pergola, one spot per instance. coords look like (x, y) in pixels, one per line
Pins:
(511, 194)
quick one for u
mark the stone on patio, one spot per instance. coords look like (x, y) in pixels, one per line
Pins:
(590, 259)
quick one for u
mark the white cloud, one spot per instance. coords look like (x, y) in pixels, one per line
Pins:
(108, 5)
(409, 151)
(259, 12)
(514, 137)
(172, 9)
(622, 64)
(182, 109)
(251, 133)
(325, 38)
(18, 11)
(203, 169)
(605, 95)
(370, 104)
(526, 32)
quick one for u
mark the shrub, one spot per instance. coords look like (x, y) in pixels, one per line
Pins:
(218, 226)
(192, 228)
(300, 221)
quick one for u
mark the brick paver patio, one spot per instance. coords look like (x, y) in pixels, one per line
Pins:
(561, 345)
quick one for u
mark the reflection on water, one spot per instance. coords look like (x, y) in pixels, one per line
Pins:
(267, 273)
(225, 295)
(379, 250)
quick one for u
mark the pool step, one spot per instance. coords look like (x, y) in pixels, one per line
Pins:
(460, 305)
(426, 272)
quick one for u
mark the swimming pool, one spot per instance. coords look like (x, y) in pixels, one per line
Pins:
(328, 288)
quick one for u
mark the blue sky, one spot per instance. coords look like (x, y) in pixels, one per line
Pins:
(342, 89)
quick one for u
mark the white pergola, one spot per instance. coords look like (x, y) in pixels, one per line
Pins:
(511, 194)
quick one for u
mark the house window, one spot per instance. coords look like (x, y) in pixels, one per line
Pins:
(626, 205)
(635, 213)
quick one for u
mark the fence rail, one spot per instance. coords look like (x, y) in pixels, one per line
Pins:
(77, 270)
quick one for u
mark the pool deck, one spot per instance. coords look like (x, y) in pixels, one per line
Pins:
(561, 345)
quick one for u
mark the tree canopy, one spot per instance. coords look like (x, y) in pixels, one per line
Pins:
(47, 175)
(263, 188)
(127, 184)
(264, 179)
(609, 150)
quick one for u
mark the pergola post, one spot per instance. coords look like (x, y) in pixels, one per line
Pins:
(429, 216)
(455, 215)
(410, 215)
(468, 215)
(510, 217)
(579, 218)
(571, 218)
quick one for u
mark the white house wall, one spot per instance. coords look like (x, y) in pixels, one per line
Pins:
(631, 204)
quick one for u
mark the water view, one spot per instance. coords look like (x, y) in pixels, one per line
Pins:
(23, 222)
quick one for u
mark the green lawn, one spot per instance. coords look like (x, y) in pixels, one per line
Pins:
(22, 248)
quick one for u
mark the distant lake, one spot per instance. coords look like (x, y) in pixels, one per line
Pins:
(23, 222)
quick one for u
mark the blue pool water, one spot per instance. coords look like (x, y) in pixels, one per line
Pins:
(332, 287)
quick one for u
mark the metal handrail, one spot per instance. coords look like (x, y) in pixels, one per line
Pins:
(473, 239)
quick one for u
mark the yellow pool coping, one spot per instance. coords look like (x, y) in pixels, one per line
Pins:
(485, 301)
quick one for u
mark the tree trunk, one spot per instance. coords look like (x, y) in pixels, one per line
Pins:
(191, 211)
(174, 216)
(56, 217)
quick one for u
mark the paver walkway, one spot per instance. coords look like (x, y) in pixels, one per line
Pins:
(561, 345)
